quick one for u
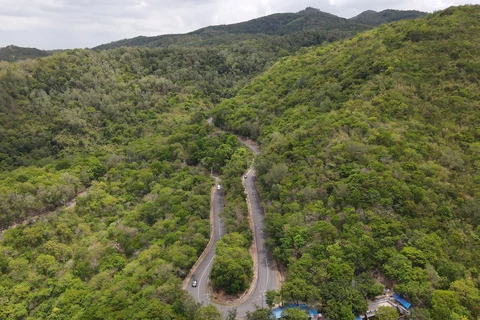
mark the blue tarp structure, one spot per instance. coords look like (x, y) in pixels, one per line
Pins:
(401, 301)
(358, 318)
(312, 312)
(277, 312)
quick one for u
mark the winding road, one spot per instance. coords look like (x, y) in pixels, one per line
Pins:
(265, 274)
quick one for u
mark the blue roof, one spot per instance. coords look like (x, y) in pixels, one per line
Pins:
(313, 312)
(277, 312)
(358, 318)
(402, 302)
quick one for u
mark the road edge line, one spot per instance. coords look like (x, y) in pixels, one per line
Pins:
(209, 244)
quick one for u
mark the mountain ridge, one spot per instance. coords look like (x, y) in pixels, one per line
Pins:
(374, 18)
(277, 24)
(13, 53)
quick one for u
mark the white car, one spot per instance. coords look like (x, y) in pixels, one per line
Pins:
(194, 283)
(219, 187)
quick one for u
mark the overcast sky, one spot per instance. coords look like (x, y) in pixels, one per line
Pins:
(62, 24)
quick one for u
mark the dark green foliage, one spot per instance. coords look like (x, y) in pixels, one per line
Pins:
(13, 53)
(369, 170)
(369, 163)
(373, 18)
(305, 28)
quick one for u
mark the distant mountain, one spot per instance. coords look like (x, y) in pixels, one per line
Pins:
(13, 53)
(272, 26)
(373, 18)
(285, 23)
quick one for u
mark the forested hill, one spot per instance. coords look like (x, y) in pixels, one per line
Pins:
(129, 126)
(278, 28)
(370, 165)
(284, 23)
(14, 53)
(373, 18)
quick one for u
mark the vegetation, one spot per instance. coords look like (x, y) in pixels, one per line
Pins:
(386, 313)
(232, 268)
(13, 53)
(373, 18)
(369, 168)
(369, 165)
(129, 125)
(285, 30)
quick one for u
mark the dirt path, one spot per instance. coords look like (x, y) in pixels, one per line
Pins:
(41, 214)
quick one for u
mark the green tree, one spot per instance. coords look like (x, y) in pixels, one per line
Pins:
(386, 313)
(260, 314)
(444, 304)
(45, 264)
(208, 312)
(295, 314)
(271, 297)
(232, 267)
(298, 290)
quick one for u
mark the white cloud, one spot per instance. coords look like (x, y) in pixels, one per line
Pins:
(49, 24)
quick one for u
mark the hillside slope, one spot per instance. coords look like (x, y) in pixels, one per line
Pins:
(373, 18)
(14, 53)
(128, 126)
(370, 165)
(274, 27)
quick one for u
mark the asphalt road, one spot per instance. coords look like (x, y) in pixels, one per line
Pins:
(202, 273)
(266, 272)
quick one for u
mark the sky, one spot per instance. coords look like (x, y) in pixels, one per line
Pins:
(68, 24)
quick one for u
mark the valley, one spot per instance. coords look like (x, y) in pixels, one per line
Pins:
(366, 182)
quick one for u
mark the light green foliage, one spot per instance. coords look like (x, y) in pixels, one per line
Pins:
(295, 314)
(232, 268)
(298, 290)
(260, 314)
(272, 297)
(208, 312)
(375, 137)
(386, 313)
(444, 304)
(122, 250)
(369, 165)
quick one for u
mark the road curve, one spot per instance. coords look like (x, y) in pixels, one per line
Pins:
(266, 275)
(202, 272)
(266, 279)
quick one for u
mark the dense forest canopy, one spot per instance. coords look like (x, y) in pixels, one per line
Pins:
(13, 53)
(130, 125)
(369, 168)
(290, 31)
(374, 18)
(281, 29)
(369, 165)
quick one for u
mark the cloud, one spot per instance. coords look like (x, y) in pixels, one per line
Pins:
(51, 24)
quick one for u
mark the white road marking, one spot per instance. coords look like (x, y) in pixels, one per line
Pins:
(200, 281)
